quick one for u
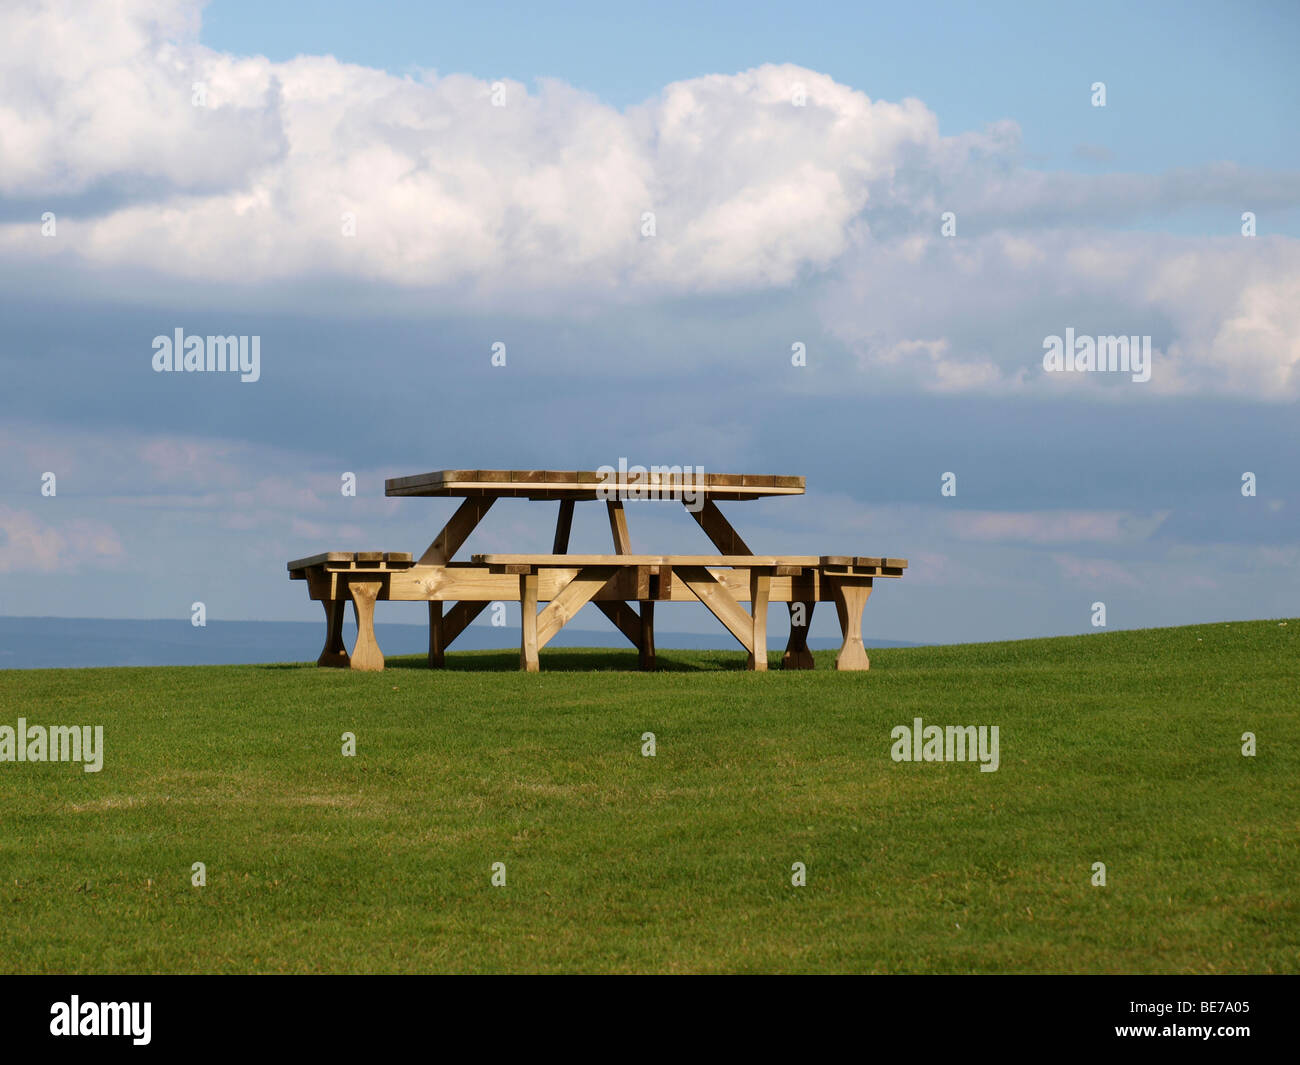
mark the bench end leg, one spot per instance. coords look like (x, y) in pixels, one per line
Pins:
(366, 655)
(850, 599)
(335, 655)
(797, 655)
(528, 659)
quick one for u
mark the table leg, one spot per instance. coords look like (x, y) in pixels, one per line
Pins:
(437, 639)
(365, 653)
(850, 598)
(563, 524)
(718, 529)
(528, 660)
(456, 531)
(645, 619)
(647, 645)
(760, 585)
(797, 655)
(618, 527)
(335, 653)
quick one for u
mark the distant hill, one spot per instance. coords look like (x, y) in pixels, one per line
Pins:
(44, 643)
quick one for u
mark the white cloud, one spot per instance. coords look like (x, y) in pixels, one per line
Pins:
(546, 191)
(971, 314)
(539, 204)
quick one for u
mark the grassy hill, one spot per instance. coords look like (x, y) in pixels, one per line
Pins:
(1123, 748)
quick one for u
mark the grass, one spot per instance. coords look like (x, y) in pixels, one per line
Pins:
(1122, 747)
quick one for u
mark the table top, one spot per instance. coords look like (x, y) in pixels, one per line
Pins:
(657, 483)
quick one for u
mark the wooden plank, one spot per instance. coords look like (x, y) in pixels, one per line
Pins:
(421, 583)
(578, 490)
(414, 482)
(320, 560)
(744, 561)
(475, 583)
(543, 476)
(545, 484)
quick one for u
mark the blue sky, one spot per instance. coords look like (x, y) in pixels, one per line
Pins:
(776, 224)
(1192, 82)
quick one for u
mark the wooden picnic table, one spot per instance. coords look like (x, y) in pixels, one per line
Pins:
(611, 582)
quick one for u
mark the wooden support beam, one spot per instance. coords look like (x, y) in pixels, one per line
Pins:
(575, 595)
(335, 654)
(623, 617)
(629, 622)
(563, 524)
(444, 628)
(646, 645)
(437, 635)
(528, 660)
(718, 529)
(365, 652)
(456, 531)
(760, 585)
(458, 618)
(713, 595)
(618, 526)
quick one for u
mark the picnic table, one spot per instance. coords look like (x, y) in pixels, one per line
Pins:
(611, 582)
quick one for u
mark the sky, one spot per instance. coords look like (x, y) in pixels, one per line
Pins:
(655, 211)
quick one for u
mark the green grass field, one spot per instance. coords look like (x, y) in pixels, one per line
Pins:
(1123, 748)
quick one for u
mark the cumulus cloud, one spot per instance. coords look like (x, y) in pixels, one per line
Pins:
(967, 314)
(551, 188)
(772, 178)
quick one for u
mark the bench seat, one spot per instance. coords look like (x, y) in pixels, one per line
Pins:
(784, 565)
(611, 582)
